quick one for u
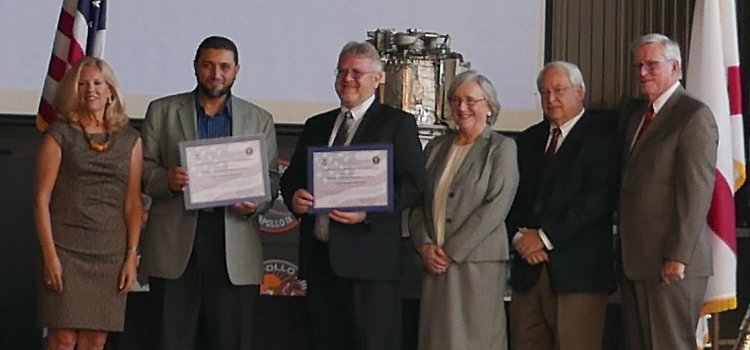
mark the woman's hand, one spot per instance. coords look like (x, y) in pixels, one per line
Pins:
(53, 272)
(128, 273)
(435, 259)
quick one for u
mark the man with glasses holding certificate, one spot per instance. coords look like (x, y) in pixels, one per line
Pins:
(351, 259)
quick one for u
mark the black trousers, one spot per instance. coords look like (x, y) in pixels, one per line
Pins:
(202, 309)
(351, 314)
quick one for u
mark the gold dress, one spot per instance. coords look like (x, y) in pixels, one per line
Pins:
(89, 231)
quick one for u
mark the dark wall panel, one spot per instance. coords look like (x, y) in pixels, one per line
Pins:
(596, 35)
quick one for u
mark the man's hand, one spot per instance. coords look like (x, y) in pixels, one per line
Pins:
(537, 257)
(245, 208)
(347, 217)
(529, 242)
(435, 259)
(672, 271)
(177, 179)
(301, 201)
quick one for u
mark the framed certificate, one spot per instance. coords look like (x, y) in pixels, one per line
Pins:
(351, 178)
(225, 170)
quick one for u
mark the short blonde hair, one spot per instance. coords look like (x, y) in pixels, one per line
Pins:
(66, 102)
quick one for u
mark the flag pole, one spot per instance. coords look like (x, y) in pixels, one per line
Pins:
(743, 338)
(715, 334)
(96, 9)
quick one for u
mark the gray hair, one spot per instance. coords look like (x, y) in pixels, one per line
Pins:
(671, 48)
(363, 50)
(574, 73)
(472, 76)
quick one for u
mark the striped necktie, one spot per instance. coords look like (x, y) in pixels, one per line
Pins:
(343, 134)
(322, 222)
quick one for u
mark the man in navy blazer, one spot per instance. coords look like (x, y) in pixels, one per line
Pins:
(561, 220)
(351, 260)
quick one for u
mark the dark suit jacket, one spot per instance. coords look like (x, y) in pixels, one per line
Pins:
(667, 186)
(572, 202)
(369, 250)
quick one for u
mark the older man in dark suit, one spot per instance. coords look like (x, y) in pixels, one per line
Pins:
(351, 259)
(563, 266)
(668, 177)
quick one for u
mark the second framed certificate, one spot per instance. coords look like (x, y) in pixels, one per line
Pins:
(225, 170)
(351, 178)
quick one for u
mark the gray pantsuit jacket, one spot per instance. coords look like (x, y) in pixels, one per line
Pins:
(463, 307)
(167, 243)
(480, 198)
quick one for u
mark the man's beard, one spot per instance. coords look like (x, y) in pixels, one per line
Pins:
(215, 93)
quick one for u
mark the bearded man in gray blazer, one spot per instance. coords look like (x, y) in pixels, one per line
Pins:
(204, 266)
(667, 182)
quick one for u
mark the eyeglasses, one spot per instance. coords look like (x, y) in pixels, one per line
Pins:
(469, 102)
(650, 65)
(558, 91)
(356, 74)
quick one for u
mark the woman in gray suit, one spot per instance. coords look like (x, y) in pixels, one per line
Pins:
(459, 230)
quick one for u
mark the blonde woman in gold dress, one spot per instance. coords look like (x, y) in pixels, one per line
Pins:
(87, 209)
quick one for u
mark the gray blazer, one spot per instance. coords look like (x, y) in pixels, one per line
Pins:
(478, 202)
(167, 242)
(667, 185)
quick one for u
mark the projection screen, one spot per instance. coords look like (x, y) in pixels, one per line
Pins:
(287, 48)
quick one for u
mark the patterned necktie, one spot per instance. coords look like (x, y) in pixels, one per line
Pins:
(551, 149)
(322, 222)
(344, 128)
(647, 119)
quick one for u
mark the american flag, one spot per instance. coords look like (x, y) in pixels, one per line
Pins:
(80, 33)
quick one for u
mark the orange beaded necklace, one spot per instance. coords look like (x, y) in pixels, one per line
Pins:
(96, 146)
